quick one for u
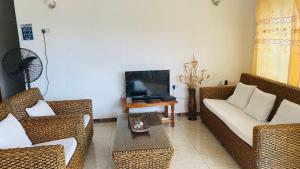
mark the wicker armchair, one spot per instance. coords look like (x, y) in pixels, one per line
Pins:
(29, 98)
(274, 146)
(41, 130)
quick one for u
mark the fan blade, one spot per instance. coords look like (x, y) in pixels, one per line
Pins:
(24, 65)
(28, 60)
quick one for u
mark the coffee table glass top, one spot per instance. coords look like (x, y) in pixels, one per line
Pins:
(126, 140)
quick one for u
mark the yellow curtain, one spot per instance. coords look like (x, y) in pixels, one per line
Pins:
(277, 41)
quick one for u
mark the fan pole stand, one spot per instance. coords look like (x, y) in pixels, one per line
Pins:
(27, 76)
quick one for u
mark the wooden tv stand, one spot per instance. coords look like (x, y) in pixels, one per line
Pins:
(143, 104)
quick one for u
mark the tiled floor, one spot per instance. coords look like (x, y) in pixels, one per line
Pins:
(195, 147)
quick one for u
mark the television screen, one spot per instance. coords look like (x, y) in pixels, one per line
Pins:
(147, 83)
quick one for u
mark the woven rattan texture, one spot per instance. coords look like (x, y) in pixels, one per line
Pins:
(76, 107)
(143, 159)
(5, 109)
(88, 136)
(42, 130)
(141, 151)
(284, 143)
(28, 98)
(222, 92)
(72, 106)
(50, 157)
(274, 146)
(67, 123)
(24, 100)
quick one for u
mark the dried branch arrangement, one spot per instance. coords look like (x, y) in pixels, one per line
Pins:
(191, 76)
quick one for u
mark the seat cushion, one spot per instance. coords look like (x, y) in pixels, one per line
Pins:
(41, 108)
(86, 120)
(12, 134)
(287, 113)
(69, 144)
(236, 119)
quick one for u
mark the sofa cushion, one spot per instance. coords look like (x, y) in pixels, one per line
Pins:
(41, 108)
(288, 112)
(241, 95)
(69, 144)
(238, 121)
(260, 105)
(86, 120)
(12, 134)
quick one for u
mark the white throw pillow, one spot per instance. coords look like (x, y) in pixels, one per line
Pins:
(12, 134)
(288, 112)
(241, 95)
(70, 145)
(86, 120)
(40, 109)
(260, 105)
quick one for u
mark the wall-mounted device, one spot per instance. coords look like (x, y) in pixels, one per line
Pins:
(228, 83)
(51, 4)
(27, 31)
(216, 2)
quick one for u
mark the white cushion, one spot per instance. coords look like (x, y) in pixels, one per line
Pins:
(241, 95)
(12, 134)
(238, 121)
(260, 105)
(40, 109)
(69, 144)
(288, 112)
(86, 120)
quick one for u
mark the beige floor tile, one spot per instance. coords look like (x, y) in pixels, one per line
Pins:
(188, 164)
(195, 147)
(102, 132)
(109, 124)
(224, 167)
(97, 157)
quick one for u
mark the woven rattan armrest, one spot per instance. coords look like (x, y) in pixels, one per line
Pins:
(72, 106)
(44, 129)
(277, 146)
(50, 157)
(222, 92)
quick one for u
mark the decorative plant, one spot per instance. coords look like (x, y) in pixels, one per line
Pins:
(191, 77)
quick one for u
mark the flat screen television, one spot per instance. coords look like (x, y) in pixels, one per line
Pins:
(152, 84)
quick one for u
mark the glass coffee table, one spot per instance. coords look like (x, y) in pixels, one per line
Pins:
(150, 150)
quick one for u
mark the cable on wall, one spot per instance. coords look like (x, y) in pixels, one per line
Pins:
(46, 56)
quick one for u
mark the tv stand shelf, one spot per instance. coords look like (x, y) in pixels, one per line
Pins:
(143, 104)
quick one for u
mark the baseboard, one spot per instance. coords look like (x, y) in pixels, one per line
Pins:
(105, 120)
(183, 114)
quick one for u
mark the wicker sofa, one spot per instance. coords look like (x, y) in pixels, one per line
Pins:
(41, 130)
(274, 146)
(67, 108)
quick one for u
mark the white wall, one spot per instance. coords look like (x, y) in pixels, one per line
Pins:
(93, 42)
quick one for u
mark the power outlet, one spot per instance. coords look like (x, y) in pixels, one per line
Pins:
(46, 30)
(175, 86)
